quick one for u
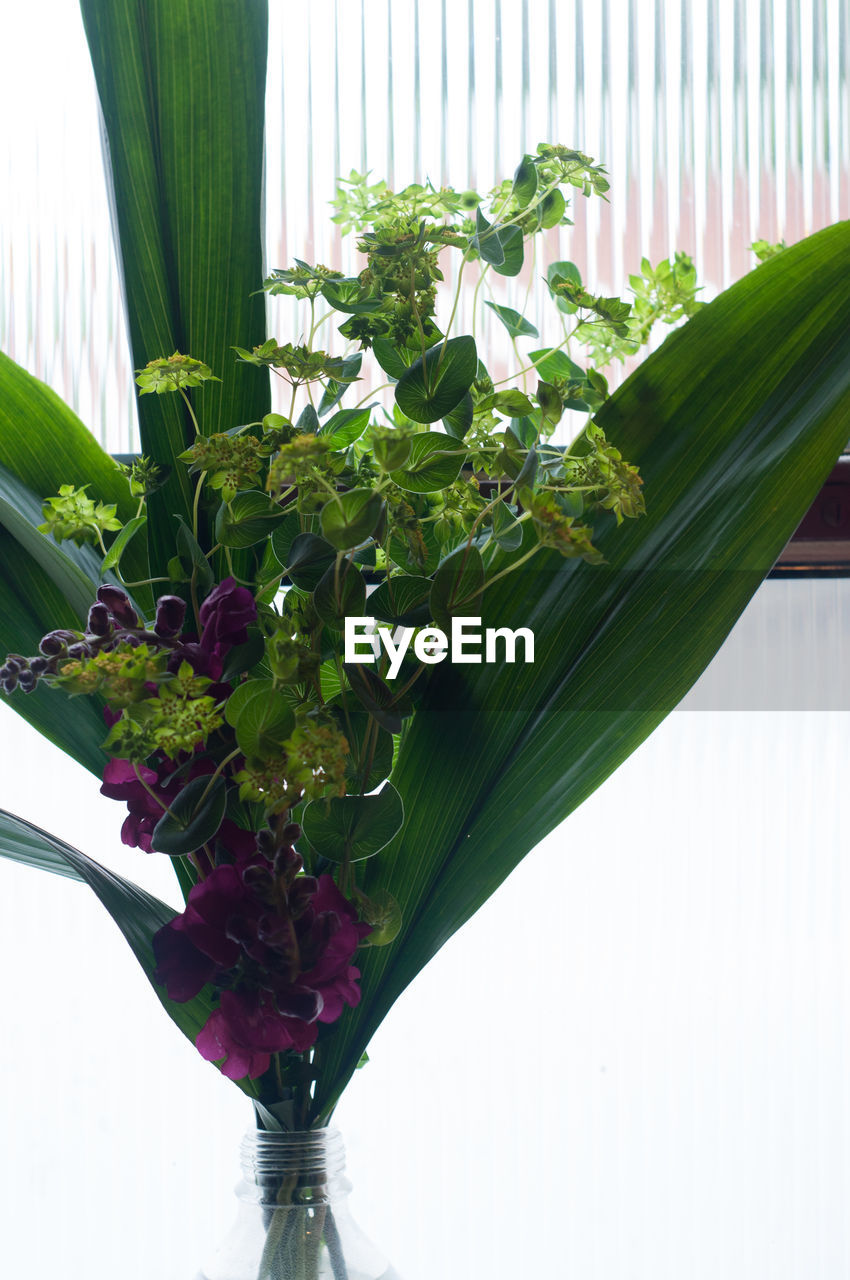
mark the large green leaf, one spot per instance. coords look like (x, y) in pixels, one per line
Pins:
(182, 92)
(75, 570)
(45, 444)
(44, 585)
(139, 915)
(30, 605)
(735, 422)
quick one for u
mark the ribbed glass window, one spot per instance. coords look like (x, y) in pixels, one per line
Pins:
(720, 121)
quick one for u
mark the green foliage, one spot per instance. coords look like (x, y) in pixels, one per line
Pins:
(351, 828)
(173, 373)
(764, 250)
(73, 514)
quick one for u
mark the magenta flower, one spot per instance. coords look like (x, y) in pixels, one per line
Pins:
(225, 615)
(122, 782)
(245, 1030)
(279, 948)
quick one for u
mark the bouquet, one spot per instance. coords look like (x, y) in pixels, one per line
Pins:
(346, 663)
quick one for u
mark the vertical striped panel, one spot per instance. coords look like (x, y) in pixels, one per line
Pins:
(720, 121)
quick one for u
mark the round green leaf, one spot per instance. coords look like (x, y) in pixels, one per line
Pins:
(339, 595)
(552, 209)
(247, 520)
(507, 531)
(353, 827)
(525, 181)
(283, 537)
(458, 422)
(371, 748)
(350, 518)
(432, 386)
(242, 694)
(433, 463)
(510, 238)
(457, 586)
(403, 599)
(193, 817)
(309, 557)
(264, 721)
(486, 240)
(345, 427)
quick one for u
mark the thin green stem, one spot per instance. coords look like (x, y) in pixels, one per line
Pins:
(143, 582)
(191, 411)
(163, 806)
(463, 262)
(475, 294)
(503, 574)
(196, 504)
(217, 774)
(500, 497)
(545, 356)
(374, 392)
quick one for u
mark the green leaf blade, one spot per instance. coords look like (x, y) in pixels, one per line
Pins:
(183, 105)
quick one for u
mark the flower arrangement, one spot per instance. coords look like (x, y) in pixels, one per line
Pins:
(245, 742)
(332, 816)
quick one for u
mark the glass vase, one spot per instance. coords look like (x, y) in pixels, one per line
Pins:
(293, 1221)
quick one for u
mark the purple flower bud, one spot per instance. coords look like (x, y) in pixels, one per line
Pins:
(27, 681)
(118, 604)
(266, 842)
(98, 620)
(257, 879)
(9, 683)
(291, 833)
(79, 650)
(12, 665)
(55, 643)
(170, 612)
(301, 894)
(287, 862)
(39, 665)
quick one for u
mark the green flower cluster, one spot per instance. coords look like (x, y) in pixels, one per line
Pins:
(72, 515)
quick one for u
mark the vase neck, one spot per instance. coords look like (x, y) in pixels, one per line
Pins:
(302, 1167)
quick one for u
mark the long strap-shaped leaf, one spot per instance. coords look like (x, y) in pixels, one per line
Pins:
(75, 570)
(735, 423)
(44, 443)
(138, 914)
(182, 92)
(31, 604)
(43, 585)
